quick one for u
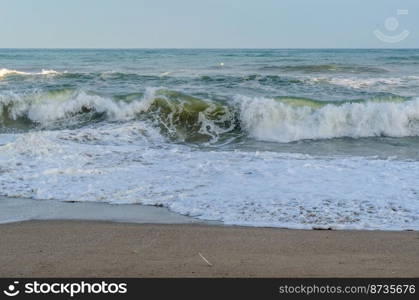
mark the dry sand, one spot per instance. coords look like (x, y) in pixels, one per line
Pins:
(105, 249)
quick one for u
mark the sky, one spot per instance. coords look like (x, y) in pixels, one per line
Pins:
(208, 24)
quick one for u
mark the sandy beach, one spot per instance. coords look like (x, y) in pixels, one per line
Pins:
(107, 249)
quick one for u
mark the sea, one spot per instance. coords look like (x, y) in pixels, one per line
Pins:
(292, 138)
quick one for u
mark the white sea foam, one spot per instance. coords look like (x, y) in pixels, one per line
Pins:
(6, 72)
(380, 83)
(270, 120)
(115, 164)
(48, 72)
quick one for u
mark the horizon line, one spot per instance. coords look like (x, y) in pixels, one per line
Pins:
(204, 48)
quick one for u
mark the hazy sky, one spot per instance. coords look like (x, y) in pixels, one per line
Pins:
(205, 24)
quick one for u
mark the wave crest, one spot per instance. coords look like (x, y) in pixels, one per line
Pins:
(183, 117)
(6, 72)
(276, 120)
(179, 116)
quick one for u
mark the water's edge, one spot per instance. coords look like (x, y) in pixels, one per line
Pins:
(14, 210)
(20, 209)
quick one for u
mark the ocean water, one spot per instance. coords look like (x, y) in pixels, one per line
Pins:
(282, 138)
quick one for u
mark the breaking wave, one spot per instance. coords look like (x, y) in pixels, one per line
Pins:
(184, 117)
(288, 119)
(179, 116)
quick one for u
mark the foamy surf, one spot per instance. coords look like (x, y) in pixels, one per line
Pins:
(255, 189)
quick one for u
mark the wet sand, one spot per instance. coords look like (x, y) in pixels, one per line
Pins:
(107, 249)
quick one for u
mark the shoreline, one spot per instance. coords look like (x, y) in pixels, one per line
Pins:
(22, 209)
(14, 210)
(63, 248)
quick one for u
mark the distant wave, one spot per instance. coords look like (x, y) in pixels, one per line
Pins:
(263, 79)
(6, 72)
(227, 80)
(358, 83)
(404, 58)
(47, 72)
(329, 68)
(188, 118)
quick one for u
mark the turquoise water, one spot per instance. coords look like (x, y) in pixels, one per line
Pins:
(319, 137)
